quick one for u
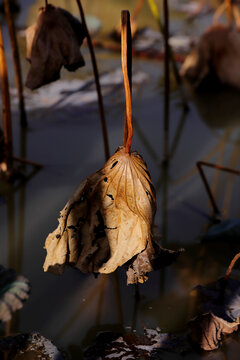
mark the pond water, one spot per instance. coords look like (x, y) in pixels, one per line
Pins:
(71, 309)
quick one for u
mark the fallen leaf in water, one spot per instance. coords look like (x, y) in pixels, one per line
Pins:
(29, 346)
(52, 42)
(207, 330)
(220, 303)
(216, 57)
(132, 346)
(107, 221)
(226, 230)
(14, 290)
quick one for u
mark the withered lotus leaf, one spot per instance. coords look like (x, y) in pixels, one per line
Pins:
(207, 330)
(216, 57)
(52, 42)
(107, 221)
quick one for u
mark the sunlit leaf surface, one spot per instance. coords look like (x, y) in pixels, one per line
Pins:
(108, 220)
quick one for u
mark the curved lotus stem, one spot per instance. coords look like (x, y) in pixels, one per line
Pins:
(229, 270)
(125, 55)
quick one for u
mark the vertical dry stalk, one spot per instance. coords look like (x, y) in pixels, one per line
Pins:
(203, 176)
(166, 79)
(137, 9)
(6, 112)
(96, 75)
(126, 64)
(16, 60)
(229, 12)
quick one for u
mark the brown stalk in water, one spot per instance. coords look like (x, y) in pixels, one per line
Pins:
(166, 79)
(96, 75)
(6, 110)
(126, 57)
(229, 12)
(16, 60)
(204, 179)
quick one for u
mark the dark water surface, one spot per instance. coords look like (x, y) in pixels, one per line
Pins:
(67, 140)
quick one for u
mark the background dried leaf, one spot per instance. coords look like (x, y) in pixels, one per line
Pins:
(216, 57)
(52, 42)
(14, 290)
(220, 303)
(207, 330)
(108, 220)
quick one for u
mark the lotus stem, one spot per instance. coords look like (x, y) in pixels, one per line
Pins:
(137, 9)
(166, 80)
(156, 15)
(96, 75)
(229, 270)
(220, 10)
(208, 189)
(126, 56)
(6, 109)
(229, 12)
(16, 60)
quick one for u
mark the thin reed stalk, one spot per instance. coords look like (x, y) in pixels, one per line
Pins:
(6, 109)
(229, 12)
(204, 179)
(166, 80)
(16, 61)
(96, 75)
(156, 15)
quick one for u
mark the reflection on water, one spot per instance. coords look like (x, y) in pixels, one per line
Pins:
(71, 309)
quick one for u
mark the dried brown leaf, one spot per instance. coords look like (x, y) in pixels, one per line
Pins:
(107, 221)
(52, 42)
(207, 330)
(216, 56)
